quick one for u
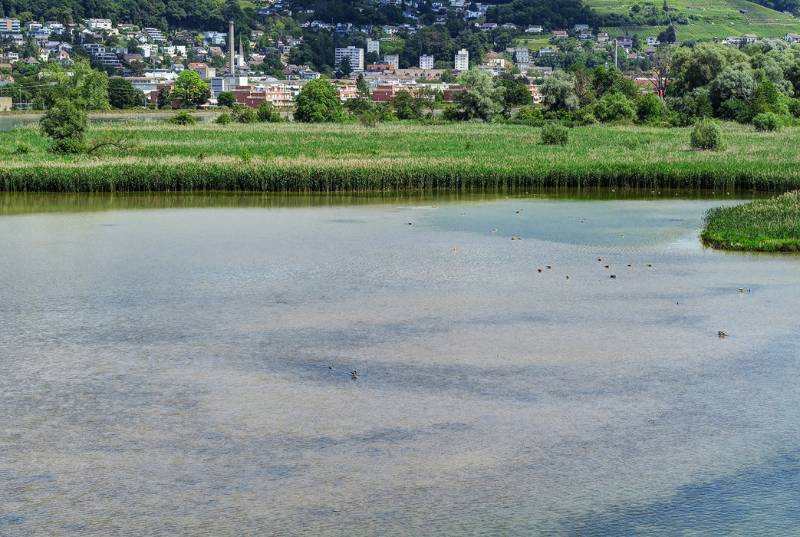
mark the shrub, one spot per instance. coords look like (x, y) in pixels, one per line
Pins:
(649, 108)
(65, 124)
(223, 119)
(368, 118)
(555, 134)
(183, 118)
(22, 149)
(767, 122)
(244, 114)
(706, 135)
(794, 108)
(225, 98)
(614, 107)
(267, 113)
(529, 115)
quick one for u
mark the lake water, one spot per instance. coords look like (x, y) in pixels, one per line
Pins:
(179, 365)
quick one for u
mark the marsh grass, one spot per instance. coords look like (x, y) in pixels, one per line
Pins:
(771, 225)
(397, 156)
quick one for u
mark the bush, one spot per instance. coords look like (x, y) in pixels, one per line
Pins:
(65, 124)
(183, 118)
(767, 122)
(70, 146)
(706, 135)
(649, 108)
(555, 134)
(368, 118)
(244, 114)
(223, 119)
(529, 115)
(22, 149)
(794, 108)
(614, 107)
(225, 98)
(267, 113)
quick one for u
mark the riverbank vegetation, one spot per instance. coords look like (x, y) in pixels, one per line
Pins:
(770, 225)
(393, 156)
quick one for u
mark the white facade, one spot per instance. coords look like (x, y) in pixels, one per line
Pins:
(462, 60)
(426, 62)
(98, 24)
(9, 25)
(353, 54)
(393, 60)
(373, 45)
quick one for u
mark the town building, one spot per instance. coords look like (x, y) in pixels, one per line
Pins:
(354, 55)
(373, 46)
(462, 60)
(426, 62)
(393, 60)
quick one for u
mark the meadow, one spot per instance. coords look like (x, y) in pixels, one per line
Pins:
(395, 156)
(710, 19)
(769, 225)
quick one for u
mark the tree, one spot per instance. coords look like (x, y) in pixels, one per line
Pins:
(405, 105)
(122, 94)
(697, 67)
(515, 92)
(225, 98)
(318, 102)
(65, 124)
(614, 107)
(362, 86)
(558, 91)
(480, 98)
(190, 89)
(732, 83)
(344, 68)
(649, 108)
(86, 88)
(668, 35)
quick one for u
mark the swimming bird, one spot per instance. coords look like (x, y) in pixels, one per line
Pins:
(722, 335)
(354, 374)
(613, 276)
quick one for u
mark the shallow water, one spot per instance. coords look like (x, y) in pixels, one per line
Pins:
(184, 371)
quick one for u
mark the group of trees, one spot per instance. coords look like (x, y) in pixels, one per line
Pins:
(192, 14)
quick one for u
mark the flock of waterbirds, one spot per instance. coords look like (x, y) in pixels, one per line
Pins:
(721, 333)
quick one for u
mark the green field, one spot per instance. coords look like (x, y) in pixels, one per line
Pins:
(397, 156)
(771, 225)
(710, 19)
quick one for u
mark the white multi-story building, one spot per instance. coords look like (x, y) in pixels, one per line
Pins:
(373, 45)
(98, 24)
(393, 60)
(426, 62)
(462, 60)
(353, 54)
(9, 25)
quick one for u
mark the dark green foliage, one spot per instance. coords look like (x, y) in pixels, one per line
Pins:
(529, 115)
(767, 122)
(223, 119)
(706, 136)
(614, 107)
(122, 94)
(405, 105)
(555, 134)
(65, 125)
(182, 118)
(318, 102)
(650, 108)
(22, 149)
(668, 35)
(190, 90)
(515, 92)
(244, 114)
(267, 113)
(225, 98)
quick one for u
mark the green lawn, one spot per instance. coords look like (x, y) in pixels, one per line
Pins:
(712, 18)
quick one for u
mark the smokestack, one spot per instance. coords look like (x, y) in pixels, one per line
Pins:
(230, 48)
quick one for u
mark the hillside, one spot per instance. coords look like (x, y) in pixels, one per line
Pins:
(708, 19)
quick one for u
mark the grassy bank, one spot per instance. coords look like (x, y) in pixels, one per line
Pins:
(349, 157)
(771, 225)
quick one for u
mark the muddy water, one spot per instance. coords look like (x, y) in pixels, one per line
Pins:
(186, 371)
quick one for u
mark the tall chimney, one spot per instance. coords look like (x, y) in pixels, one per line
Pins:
(230, 48)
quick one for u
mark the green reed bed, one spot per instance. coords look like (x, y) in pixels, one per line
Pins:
(396, 156)
(770, 225)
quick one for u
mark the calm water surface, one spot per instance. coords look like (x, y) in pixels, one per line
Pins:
(184, 371)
